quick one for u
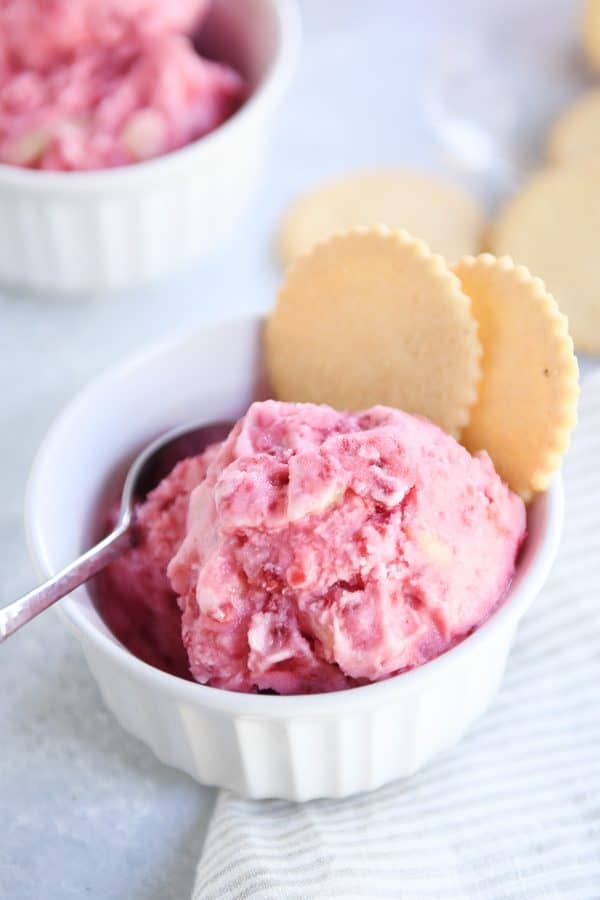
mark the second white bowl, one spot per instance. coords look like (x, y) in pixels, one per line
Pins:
(299, 747)
(82, 232)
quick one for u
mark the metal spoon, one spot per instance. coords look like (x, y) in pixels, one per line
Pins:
(148, 468)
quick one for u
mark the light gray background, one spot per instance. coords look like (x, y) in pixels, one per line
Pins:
(463, 88)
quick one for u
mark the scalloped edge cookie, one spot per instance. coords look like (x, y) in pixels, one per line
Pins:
(372, 316)
(527, 397)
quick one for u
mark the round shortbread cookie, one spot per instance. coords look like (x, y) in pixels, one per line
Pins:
(445, 216)
(372, 316)
(575, 136)
(553, 227)
(591, 32)
(527, 397)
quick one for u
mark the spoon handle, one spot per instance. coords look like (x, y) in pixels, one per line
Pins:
(16, 614)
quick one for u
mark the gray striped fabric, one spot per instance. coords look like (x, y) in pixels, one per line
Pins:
(513, 812)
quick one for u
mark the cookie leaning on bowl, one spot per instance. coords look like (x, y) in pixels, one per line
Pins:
(360, 314)
(527, 397)
(372, 316)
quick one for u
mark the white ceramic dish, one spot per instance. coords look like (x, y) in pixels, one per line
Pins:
(71, 232)
(261, 746)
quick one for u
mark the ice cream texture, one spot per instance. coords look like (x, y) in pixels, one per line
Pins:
(38, 34)
(321, 550)
(96, 85)
(133, 594)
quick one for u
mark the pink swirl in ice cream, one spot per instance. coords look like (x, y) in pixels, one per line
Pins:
(105, 85)
(325, 549)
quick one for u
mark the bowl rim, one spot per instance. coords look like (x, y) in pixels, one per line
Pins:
(267, 93)
(507, 615)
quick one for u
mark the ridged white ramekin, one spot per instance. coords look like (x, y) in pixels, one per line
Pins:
(85, 232)
(329, 745)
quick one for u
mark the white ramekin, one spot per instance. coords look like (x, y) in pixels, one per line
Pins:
(72, 232)
(261, 746)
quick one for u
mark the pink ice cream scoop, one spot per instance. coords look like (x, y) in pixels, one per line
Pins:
(114, 106)
(326, 549)
(133, 594)
(38, 34)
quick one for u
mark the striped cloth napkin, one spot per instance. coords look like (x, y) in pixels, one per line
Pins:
(512, 812)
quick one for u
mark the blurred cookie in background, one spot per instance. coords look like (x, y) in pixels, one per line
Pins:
(449, 220)
(552, 226)
(591, 32)
(575, 136)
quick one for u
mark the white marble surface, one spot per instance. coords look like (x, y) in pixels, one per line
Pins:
(85, 810)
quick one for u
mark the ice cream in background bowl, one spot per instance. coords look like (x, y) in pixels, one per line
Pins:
(89, 86)
(334, 734)
(37, 34)
(132, 134)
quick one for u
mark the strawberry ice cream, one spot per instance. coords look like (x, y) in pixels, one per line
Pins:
(114, 107)
(38, 34)
(314, 550)
(96, 85)
(133, 594)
